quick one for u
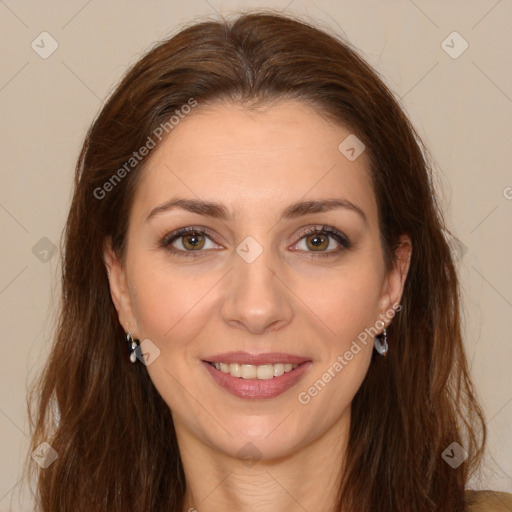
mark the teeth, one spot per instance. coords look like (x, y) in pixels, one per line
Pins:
(251, 371)
(278, 369)
(235, 370)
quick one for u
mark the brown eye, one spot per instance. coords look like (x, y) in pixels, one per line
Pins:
(189, 242)
(324, 241)
(193, 241)
(317, 241)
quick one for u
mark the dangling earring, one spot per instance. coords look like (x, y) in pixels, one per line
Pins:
(381, 342)
(132, 345)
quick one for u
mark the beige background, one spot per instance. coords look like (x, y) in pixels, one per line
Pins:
(461, 106)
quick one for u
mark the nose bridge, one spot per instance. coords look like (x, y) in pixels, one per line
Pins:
(253, 266)
(257, 298)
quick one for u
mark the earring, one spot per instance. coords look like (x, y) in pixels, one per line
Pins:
(381, 343)
(132, 346)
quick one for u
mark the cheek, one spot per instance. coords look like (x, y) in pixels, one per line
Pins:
(348, 306)
(167, 302)
(347, 302)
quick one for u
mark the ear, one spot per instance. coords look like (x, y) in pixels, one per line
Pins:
(395, 279)
(119, 288)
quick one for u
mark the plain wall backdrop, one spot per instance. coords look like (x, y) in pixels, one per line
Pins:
(60, 59)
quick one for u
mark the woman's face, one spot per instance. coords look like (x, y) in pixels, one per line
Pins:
(257, 281)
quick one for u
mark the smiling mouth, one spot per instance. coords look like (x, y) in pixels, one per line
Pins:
(252, 371)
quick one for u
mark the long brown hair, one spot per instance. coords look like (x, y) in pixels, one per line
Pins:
(113, 432)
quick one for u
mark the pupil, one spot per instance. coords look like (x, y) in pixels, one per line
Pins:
(317, 240)
(193, 241)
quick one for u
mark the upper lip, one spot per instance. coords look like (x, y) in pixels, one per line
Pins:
(255, 359)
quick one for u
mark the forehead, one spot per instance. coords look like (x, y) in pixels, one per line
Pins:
(254, 160)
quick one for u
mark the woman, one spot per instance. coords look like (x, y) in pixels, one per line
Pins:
(260, 308)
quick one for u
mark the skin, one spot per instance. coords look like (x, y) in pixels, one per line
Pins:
(287, 300)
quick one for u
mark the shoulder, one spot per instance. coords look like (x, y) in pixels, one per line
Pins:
(488, 501)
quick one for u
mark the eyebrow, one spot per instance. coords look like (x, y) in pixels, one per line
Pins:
(219, 211)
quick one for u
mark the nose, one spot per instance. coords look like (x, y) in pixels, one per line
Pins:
(257, 298)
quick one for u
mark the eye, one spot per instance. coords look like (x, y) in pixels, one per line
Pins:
(188, 241)
(318, 240)
(193, 241)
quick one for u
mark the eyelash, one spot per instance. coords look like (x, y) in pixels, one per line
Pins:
(334, 233)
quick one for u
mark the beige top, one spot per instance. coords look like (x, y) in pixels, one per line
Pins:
(489, 501)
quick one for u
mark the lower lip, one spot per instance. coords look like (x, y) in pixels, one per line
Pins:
(257, 388)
